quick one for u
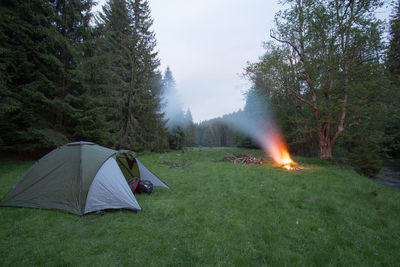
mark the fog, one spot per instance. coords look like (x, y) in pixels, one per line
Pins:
(172, 105)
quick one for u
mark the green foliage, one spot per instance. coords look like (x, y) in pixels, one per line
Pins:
(323, 71)
(63, 79)
(217, 213)
(46, 96)
(176, 138)
(391, 106)
(393, 54)
(191, 130)
(366, 160)
(215, 133)
(28, 44)
(134, 85)
(245, 142)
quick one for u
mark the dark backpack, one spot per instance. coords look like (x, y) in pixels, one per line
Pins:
(144, 186)
(133, 184)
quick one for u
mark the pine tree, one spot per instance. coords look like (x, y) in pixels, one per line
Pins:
(173, 112)
(188, 118)
(172, 105)
(78, 104)
(134, 83)
(190, 129)
(28, 43)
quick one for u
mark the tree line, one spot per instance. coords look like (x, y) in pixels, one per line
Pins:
(67, 75)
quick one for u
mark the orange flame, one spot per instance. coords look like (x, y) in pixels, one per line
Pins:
(275, 146)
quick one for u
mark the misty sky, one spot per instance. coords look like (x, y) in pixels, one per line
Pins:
(207, 44)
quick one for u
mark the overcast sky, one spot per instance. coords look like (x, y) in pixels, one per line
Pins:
(206, 44)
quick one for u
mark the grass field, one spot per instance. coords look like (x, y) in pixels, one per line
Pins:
(217, 214)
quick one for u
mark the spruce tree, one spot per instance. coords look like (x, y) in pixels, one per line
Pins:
(78, 103)
(28, 45)
(134, 84)
(172, 105)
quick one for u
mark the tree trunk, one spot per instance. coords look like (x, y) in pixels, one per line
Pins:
(324, 142)
(324, 149)
(123, 142)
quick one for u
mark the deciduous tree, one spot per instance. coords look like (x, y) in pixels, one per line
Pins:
(325, 55)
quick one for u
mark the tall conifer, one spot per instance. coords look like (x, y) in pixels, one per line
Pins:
(28, 44)
(134, 82)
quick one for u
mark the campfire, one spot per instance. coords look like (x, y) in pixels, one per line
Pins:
(244, 158)
(274, 145)
(292, 166)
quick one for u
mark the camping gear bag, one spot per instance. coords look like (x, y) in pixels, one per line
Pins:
(145, 186)
(133, 184)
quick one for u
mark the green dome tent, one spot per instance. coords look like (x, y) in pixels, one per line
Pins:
(80, 178)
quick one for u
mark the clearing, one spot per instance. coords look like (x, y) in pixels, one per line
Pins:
(216, 213)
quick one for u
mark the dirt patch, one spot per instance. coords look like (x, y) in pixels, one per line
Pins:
(176, 164)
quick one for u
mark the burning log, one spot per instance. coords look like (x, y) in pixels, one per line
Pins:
(292, 166)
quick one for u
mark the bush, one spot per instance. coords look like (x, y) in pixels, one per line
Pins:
(365, 159)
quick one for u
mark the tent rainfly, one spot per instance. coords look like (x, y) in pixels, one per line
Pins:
(80, 178)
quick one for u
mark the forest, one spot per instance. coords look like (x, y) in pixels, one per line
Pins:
(330, 80)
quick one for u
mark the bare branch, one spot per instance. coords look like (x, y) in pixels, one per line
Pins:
(308, 78)
(300, 98)
(290, 44)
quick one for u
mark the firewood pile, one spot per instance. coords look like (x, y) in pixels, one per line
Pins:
(242, 158)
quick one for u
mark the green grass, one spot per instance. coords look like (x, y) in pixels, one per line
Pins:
(217, 214)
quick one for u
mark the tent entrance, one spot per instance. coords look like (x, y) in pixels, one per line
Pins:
(131, 167)
(127, 162)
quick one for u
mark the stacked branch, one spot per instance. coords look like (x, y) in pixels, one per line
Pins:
(242, 158)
